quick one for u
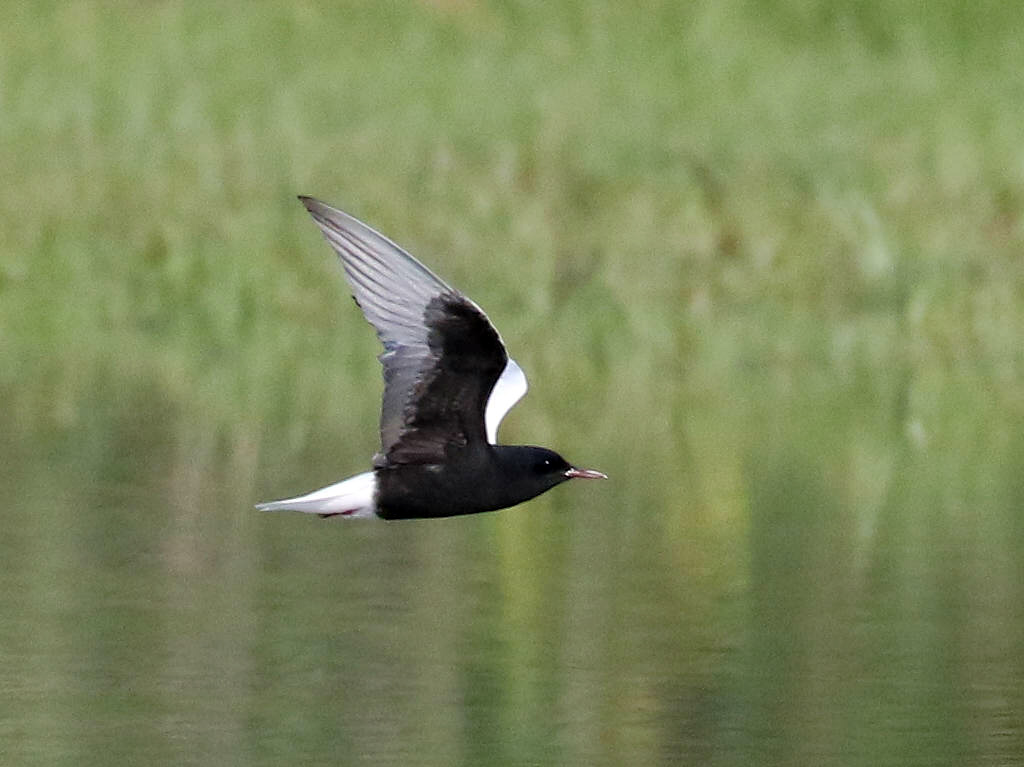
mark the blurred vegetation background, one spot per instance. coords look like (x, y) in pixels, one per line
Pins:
(761, 261)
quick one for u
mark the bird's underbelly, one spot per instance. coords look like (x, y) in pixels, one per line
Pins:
(433, 490)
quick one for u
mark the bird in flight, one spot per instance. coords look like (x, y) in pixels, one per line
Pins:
(448, 382)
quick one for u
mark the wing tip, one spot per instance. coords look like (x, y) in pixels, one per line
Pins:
(331, 219)
(312, 204)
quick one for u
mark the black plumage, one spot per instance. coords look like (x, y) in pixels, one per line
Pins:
(448, 382)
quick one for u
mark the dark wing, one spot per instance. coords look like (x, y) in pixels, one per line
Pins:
(441, 355)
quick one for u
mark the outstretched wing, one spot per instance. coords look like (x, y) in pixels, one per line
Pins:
(442, 357)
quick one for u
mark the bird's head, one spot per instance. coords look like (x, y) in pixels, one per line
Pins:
(549, 468)
(549, 463)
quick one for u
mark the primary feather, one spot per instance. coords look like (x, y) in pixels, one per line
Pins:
(442, 357)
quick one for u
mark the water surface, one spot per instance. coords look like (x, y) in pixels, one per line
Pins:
(766, 588)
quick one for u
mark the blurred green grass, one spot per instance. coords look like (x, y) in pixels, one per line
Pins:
(760, 260)
(678, 214)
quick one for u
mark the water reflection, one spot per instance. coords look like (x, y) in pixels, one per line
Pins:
(784, 594)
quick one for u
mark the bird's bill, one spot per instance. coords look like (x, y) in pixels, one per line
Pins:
(585, 474)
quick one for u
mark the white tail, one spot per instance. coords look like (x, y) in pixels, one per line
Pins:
(353, 497)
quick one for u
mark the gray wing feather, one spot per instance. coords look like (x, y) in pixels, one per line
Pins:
(394, 290)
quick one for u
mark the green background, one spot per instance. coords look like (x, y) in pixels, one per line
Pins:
(761, 261)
